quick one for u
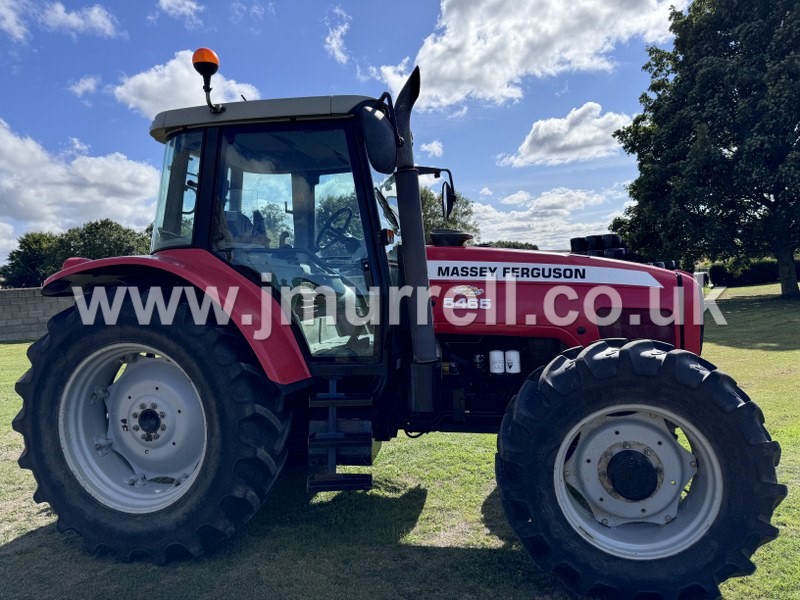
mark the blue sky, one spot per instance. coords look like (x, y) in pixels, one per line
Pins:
(519, 97)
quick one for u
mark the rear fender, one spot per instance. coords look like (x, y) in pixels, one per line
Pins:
(253, 310)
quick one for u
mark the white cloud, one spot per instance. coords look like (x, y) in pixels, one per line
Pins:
(486, 192)
(94, 20)
(175, 84)
(8, 240)
(40, 191)
(549, 219)
(11, 20)
(77, 147)
(483, 50)
(85, 85)
(435, 148)
(584, 134)
(338, 25)
(252, 12)
(187, 10)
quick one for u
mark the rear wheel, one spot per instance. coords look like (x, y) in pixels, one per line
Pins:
(638, 470)
(154, 440)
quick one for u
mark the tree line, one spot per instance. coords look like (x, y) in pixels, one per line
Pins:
(40, 254)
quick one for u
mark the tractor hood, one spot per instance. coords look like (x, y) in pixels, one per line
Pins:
(574, 298)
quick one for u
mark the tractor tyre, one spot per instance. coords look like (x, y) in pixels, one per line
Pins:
(153, 441)
(634, 470)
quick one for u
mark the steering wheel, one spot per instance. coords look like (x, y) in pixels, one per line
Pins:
(330, 233)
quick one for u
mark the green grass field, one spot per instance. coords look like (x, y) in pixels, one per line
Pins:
(432, 527)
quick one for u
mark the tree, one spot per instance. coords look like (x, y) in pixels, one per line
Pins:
(461, 218)
(101, 239)
(39, 255)
(34, 260)
(514, 244)
(718, 141)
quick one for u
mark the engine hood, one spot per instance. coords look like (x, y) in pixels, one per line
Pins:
(472, 263)
(569, 297)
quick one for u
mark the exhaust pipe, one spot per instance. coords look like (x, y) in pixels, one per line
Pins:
(415, 262)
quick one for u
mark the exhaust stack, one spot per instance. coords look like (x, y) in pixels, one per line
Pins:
(423, 341)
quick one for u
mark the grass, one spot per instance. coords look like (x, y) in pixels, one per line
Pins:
(432, 527)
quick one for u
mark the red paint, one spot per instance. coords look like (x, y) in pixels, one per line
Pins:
(530, 297)
(278, 354)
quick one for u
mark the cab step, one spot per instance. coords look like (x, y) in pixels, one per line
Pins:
(339, 441)
(332, 482)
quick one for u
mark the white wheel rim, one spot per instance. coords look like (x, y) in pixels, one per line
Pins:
(670, 519)
(132, 428)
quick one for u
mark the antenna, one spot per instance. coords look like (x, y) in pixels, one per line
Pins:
(206, 62)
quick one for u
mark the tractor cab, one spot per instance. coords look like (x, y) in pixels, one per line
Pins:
(290, 206)
(286, 192)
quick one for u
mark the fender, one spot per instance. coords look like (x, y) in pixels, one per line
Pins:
(278, 353)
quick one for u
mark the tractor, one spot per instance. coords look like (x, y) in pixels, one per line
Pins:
(290, 309)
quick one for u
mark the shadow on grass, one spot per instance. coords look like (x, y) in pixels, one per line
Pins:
(347, 545)
(756, 323)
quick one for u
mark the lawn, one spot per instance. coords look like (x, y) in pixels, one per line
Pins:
(432, 527)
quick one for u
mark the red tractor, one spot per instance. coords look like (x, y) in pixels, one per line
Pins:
(290, 307)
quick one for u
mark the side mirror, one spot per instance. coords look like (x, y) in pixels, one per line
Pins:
(448, 200)
(380, 139)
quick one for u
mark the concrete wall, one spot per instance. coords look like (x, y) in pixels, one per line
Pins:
(24, 313)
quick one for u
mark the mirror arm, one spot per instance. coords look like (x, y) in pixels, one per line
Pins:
(382, 103)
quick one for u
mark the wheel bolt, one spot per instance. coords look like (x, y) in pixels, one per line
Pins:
(136, 428)
(153, 405)
(604, 521)
(607, 453)
(135, 415)
(659, 470)
(667, 519)
(144, 436)
(693, 464)
(143, 406)
(156, 436)
(602, 474)
(162, 414)
(648, 452)
(626, 445)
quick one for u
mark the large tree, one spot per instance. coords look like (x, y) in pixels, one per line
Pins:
(718, 141)
(39, 255)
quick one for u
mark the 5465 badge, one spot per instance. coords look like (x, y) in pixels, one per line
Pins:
(466, 296)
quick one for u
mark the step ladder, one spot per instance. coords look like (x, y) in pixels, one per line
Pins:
(339, 442)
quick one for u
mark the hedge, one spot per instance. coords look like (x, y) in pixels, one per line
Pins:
(758, 272)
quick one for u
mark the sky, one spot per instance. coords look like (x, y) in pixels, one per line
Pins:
(519, 97)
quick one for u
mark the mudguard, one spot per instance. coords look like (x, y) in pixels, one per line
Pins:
(253, 310)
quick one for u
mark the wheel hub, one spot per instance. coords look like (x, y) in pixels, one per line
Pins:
(149, 421)
(632, 475)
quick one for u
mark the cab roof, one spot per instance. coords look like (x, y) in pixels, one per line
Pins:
(168, 122)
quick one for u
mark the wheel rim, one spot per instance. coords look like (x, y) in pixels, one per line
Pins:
(132, 428)
(630, 488)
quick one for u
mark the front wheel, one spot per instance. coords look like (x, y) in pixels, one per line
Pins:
(150, 440)
(638, 470)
